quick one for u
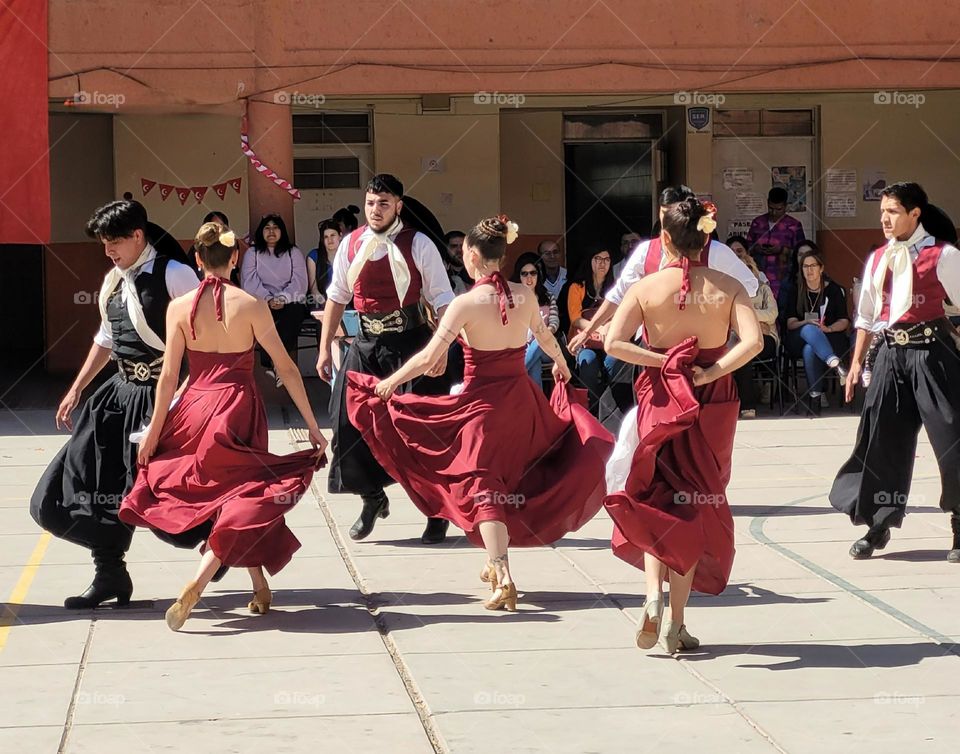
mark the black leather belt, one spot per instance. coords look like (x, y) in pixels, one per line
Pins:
(139, 371)
(374, 324)
(917, 334)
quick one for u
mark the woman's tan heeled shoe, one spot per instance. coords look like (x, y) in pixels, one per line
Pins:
(676, 637)
(649, 630)
(179, 611)
(504, 597)
(260, 604)
(489, 576)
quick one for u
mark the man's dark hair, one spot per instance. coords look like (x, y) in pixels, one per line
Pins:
(777, 195)
(453, 234)
(910, 195)
(118, 219)
(384, 183)
(673, 194)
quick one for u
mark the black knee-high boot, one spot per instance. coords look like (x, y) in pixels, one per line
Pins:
(111, 581)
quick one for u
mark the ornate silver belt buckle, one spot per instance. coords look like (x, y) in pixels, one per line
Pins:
(901, 337)
(375, 326)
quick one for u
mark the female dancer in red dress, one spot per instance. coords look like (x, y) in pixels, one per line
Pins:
(204, 462)
(498, 459)
(669, 471)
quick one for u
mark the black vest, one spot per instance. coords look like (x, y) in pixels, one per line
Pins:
(154, 298)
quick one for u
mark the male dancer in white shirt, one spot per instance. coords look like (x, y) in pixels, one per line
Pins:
(385, 268)
(916, 377)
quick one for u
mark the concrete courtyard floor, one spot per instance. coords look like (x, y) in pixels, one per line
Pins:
(384, 645)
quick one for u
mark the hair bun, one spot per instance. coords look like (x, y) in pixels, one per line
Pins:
(494, 227)
(209, 234)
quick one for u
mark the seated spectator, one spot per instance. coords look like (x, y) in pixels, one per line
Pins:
(528, 271)
(320, 263)
(555, 273)
(788, 287)
(628, 242)
(460, 280)
(816, 328)
(274, 269)
(595, 369)
(766, 307)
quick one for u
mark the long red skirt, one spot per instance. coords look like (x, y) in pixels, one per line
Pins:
(212, 464)
(498, 451)
(670, 469)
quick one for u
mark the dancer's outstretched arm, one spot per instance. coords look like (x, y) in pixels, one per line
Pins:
(332, 316)
(97, 359)
(546, 339)
(265, 331)
(619, 341)
(744, 322)
(451, 323)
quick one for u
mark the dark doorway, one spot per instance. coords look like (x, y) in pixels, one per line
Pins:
(21, 311)
(609, 192)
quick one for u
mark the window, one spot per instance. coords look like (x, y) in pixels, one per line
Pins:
(331, 128)
(745, 123)
(326, 172)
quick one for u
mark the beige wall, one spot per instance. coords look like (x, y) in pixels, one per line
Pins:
(531, 169)
(183, 150)
(81, 172)
(466, 140)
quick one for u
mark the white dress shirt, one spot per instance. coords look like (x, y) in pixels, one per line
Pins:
(948, 273)
(180, 280)
(721, 258)
(436, 284)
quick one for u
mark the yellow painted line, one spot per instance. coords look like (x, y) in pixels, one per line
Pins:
(19, 594)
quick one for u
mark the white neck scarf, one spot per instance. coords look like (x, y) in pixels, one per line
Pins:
(398, 265)
(132, 300)
(896, 257)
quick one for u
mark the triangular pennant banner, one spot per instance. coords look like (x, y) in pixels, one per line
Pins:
(221, 189)
(198, 192)
(146, 185)
(165, 189)
(182, 194)
(235, 184)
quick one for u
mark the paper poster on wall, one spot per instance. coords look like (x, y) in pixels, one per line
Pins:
(839, 180)
(874, 181)
(841, 205)
(794, 179)
(737, 178)
(750, 204)
(738, 228)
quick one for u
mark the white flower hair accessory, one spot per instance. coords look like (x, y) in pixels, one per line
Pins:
(706, 224)
(228, 238)
(513, 230)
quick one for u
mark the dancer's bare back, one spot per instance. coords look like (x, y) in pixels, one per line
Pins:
(246, 320)
(477, 313)
(708, 314)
